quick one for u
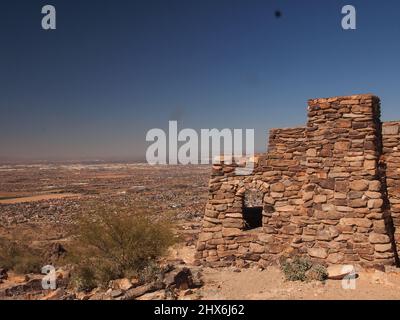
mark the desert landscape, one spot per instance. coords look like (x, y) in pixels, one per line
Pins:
(178, 152)
(40, 204)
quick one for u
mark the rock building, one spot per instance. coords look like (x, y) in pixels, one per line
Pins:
(329, 190)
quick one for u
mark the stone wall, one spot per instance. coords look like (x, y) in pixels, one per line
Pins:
(346, 214)
(319, 188)
(390, 163)
(276, 181)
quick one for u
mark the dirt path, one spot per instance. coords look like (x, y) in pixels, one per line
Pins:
(268, 284)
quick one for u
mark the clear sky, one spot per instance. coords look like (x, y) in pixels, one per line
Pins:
(115, 69)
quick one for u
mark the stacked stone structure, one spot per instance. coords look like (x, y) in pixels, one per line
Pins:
(329, 190)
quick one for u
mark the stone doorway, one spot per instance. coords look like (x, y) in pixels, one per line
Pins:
(252, 209)
(252, 217)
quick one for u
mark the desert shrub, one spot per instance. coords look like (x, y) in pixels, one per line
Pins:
(295, 269)
(317, 272)
(84, 278)
(149, 273)
(120, 245)
(19, 257)
(302, 269)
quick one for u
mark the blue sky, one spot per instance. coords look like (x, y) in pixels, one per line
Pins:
(115, 69)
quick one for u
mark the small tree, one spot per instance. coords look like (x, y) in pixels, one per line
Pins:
(116, 245)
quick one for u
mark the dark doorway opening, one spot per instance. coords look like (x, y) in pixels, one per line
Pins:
(252, 217)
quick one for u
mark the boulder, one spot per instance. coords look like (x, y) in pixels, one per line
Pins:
(121, 284)
(156, 295)
(63, 278)
(180, 278)
(338, 272)
(54, 295)
(30, 286)
(134, 293)
(116, 293)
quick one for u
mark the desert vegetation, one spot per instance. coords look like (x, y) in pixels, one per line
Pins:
(18, 256)
(109, 245)
(302, 269)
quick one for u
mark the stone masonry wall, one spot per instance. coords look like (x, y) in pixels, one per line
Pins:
(391, 166)
(321, 191)
(275, 183)
(346, 216)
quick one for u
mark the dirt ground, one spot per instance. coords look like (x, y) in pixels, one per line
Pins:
(269, 284)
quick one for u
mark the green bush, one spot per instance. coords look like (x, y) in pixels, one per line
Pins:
(116, 245)
(19, 257)
(302, 269)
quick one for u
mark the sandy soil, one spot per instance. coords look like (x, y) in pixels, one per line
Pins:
(269, 284)
(42, 197)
